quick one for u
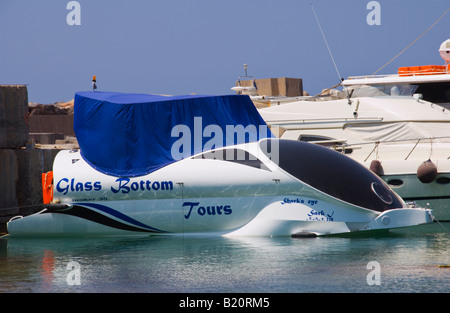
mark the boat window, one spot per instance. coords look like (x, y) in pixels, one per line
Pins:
(334, 174)
(383, 90)
(382, 193)
(395, 182)
(435, 92)
(398, 90)
(443, 180)
(309, 138)
(233, 155)
(338, 145)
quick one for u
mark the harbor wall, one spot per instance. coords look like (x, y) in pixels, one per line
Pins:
(21, 163)
(20, 180)
(271, 87)
(59, 124)
(13, 116)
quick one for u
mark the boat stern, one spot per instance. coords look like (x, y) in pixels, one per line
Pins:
(398, 218)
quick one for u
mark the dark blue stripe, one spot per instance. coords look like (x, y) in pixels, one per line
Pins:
(119, 215)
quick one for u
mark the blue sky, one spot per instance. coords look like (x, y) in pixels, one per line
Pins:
(199, 46)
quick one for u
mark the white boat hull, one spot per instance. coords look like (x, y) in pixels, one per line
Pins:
(270, 221)
(214, 197)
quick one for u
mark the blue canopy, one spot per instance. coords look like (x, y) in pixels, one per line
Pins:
(135, 134)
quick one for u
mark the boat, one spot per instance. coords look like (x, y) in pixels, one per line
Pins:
(245, 90)
(248, 89)
(396, 125)
(204, 165)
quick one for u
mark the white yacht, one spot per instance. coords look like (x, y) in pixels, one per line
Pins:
(156, 165)
(397, 125)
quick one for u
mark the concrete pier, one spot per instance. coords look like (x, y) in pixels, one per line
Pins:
(13, 116)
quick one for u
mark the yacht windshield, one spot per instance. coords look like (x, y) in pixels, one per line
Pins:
(382, 90)
(334, 174)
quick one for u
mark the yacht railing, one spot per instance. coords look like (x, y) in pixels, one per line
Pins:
(331, 119)
(342, 147)
(419, 72)
(372, 76)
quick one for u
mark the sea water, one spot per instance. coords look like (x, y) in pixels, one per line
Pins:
(408, 261)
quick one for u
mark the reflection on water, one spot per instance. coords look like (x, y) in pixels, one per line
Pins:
(409, 263)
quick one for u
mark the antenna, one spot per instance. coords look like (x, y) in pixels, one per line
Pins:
(246, 74)
(247, 90)
(94, 83)
(331, 55)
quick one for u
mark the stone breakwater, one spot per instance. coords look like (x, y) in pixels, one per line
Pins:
(22, 161)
